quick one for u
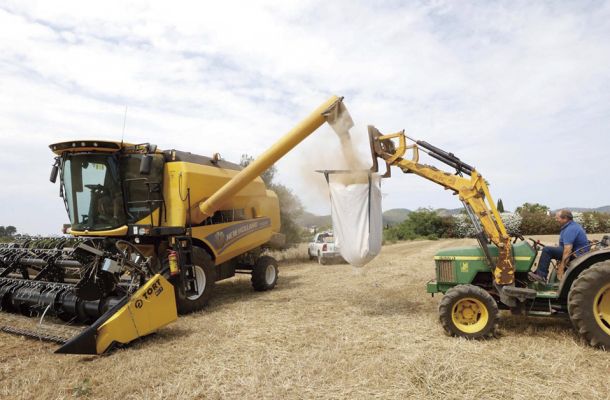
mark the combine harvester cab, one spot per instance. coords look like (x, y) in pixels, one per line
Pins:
(151, 232)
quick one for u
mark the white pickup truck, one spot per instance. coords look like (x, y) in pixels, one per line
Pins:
(323, 248)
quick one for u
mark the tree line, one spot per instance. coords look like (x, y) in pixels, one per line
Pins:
(8, 231)
(528, 219)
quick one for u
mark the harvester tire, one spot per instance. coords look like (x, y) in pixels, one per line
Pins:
(468, 311)
(589, 305)
(264, 273)
(206, 277)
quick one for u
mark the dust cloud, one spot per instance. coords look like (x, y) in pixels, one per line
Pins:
(329, 151)
(358, 170)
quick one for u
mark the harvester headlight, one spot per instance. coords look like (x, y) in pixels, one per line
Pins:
(143, 231)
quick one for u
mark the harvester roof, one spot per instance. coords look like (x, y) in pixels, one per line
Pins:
(88, 145)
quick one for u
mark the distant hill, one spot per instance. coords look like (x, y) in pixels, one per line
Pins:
(308, 219)
(395, 216)
(390, 217)
(603, 209)
(456, 211)
(449, 211)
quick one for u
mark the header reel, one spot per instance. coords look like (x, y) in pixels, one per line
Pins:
(75, 280)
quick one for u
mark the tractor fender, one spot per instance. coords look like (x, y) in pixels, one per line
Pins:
(580, 264)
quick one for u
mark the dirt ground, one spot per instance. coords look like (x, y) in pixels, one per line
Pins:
(329, 331)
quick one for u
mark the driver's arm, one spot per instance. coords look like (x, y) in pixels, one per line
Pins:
(565, 258)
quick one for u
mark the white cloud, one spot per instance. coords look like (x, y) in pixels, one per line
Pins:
(519, 89)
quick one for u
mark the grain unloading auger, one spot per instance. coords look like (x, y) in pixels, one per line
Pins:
(152, 231)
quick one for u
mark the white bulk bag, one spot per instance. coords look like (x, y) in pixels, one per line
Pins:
(356, 216)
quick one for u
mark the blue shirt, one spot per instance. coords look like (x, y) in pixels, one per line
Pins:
(574, 234)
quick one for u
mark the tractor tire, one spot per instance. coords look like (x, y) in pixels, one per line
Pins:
(321, 259)
(206, 278)
(589, 305)
(264, 274)
(468, 311)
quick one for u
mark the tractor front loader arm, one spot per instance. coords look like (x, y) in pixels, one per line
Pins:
(466, 182)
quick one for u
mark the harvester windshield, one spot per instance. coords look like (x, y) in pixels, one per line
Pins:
(92, 192)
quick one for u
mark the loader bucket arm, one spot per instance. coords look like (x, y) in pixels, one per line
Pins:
(466, 182)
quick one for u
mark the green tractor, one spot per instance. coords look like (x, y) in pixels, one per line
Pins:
(469, 307)
(478, 281)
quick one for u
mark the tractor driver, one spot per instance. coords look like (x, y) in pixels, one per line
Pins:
(573, 242)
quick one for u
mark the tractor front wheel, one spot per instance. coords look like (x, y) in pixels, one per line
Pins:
(468, 311)
(589, 305)
(264, 274)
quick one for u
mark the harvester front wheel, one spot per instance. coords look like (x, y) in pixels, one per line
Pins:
(589, 305)
(206, 276)
(468, 311)
(264, 273)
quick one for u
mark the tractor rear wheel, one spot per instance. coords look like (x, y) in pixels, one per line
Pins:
(589, 305)
(468, 311)
(205, 273)
(264, 274)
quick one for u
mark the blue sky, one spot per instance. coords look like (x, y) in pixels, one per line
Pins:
(521, 90)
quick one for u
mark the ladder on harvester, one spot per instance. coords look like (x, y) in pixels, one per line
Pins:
(184, 247)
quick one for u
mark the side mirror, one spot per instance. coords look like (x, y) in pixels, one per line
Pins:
(54, 171)
(146, 164)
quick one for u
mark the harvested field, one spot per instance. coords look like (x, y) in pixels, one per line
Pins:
(325, 332)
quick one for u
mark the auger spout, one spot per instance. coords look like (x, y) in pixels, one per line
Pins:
(329, 111)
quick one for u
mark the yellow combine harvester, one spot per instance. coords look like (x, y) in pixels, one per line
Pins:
(151, 232)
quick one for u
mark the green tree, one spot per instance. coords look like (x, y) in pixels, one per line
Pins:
(533, 208)
(423, 223)
(536, 220)
(500, 206)
(10, 231)
(290, 205)
(2, 231)
(267, 176)
(595, 222)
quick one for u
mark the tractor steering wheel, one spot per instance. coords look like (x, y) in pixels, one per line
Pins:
(518, 237)
(536, 243)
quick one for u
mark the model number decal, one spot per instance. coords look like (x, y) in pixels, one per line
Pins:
(223, 238)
